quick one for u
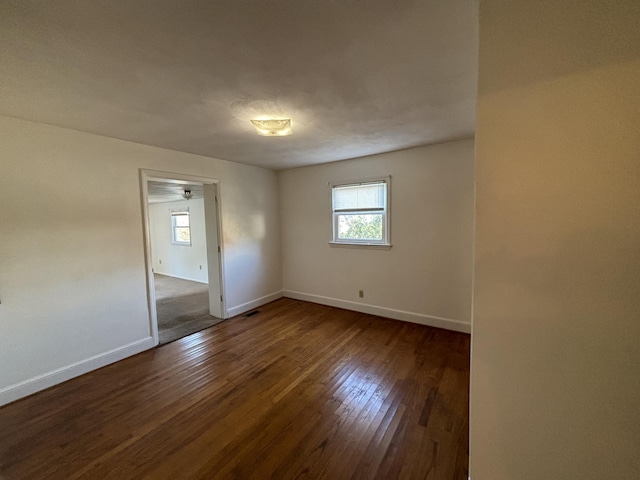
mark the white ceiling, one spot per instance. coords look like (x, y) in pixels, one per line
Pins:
(357, 77)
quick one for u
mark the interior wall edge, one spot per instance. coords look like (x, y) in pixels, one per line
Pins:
(49, 379)
(412, 317)
(191, 279)
(251, 304)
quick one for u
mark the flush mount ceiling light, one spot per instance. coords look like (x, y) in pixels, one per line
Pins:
(187, 194)
(273, 128)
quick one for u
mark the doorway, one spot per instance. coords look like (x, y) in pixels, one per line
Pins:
(183, 253)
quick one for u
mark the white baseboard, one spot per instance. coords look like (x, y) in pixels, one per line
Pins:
(49, 379)
(430, 320)
(245, 307)
(181, 278)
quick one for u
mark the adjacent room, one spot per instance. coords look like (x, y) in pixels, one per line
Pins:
(326, 240)
(178, 249)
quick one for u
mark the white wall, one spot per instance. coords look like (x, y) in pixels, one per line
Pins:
(555, 390)
(426, 276)
(72, 274)
(182, 261)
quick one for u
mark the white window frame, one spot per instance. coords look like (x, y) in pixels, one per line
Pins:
(174, 214)
(385, 242)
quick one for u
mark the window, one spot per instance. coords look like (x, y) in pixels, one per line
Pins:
(180, 227)
(360, 212)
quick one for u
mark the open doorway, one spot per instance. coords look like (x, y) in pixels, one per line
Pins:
(182, 240)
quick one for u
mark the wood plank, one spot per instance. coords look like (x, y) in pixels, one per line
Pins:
(297, 391)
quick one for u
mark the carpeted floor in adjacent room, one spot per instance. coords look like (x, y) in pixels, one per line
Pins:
(183, 307)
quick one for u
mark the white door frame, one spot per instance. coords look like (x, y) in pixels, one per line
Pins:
(176, 178)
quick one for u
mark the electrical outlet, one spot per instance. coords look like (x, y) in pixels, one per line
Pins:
(361, 293)
(200, 267)
(160, 261)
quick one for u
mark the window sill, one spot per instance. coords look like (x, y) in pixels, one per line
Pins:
(369, 246)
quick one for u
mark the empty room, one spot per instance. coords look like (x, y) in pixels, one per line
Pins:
(358, 239)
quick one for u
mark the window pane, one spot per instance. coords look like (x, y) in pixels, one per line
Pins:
(360, 226)
(181, 220)
(183, 234)
(359, 196)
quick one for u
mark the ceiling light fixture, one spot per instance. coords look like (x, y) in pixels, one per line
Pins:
(273, 127)
(187, 194)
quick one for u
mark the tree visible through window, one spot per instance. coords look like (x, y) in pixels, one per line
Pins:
(181, 228)
(360, 214)
(360, 227)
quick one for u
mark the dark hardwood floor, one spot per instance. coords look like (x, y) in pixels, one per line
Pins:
(298, 391)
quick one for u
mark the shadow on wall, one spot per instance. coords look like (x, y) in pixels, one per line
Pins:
(564, 348)
(579, 34)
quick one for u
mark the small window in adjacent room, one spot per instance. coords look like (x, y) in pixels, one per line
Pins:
(361, 212)
(180, 227)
